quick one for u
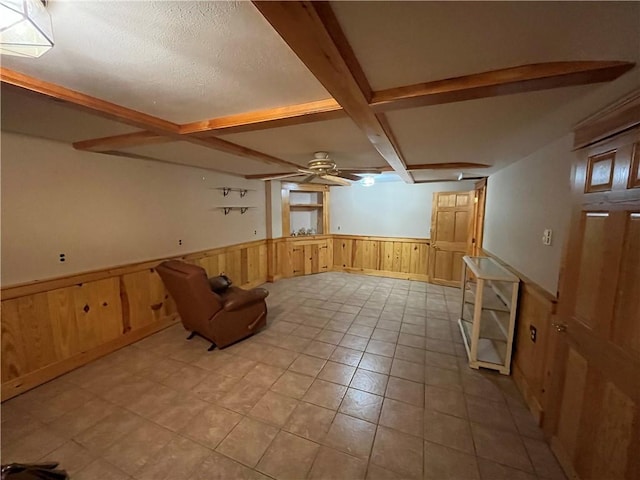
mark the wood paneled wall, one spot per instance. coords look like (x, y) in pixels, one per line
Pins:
(294, 256)
(51, 327)
(533, 360)
(389, 257)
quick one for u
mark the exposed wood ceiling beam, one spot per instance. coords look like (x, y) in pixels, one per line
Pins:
(525, 78)
(152, 125)
(269, 118)
(126, 140)
(306, 27)
(239, 150)
(87, 103)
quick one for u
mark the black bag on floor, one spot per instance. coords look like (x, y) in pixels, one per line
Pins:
(34, 471)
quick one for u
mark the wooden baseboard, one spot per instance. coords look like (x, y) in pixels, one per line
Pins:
(31, 380)
(563, 459)
(532, 402)
(383, 273)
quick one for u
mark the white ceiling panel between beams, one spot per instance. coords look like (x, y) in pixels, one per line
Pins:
(182, 61)
(43, 117)
(495, 131)
(346, 144)
(404, 43)
(185, 153)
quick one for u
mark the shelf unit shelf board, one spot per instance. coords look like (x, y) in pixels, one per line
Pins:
(490, 301)
(491, 352)
(488, 269)
(305, 206)
(487, 313)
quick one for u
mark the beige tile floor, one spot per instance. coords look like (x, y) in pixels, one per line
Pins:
(355, 377)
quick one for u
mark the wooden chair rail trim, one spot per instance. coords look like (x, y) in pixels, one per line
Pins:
(383, 239)
(530, 285)
(38, 286)
(30, 380)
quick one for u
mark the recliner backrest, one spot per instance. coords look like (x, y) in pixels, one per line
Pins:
(189, 287)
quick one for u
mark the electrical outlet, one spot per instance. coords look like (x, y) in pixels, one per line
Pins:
(533, 333)
(546, 237)
(62, 258)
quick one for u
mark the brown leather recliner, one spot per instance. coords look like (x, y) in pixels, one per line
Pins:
(221, 318)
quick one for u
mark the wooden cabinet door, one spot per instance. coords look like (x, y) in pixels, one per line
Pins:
(311, 258)
(297, 259)
(596, 419)
(451, 234)
(323, 256)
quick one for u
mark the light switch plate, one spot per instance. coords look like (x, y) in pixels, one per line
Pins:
(546, 237)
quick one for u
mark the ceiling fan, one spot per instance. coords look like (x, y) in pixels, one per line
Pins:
(324, 168)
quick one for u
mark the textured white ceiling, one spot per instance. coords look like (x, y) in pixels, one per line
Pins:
(346, 144)
(494, 131)
(43, 117)
(403, 43)
(182, 61)
(196, 156)
(193, 60)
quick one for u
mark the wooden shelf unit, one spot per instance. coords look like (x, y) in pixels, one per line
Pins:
(488, 313)
(299, 198)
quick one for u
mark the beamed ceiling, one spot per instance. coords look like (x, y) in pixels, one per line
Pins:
(425, 89)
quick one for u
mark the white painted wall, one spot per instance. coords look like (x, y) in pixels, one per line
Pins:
(103, 211)
(392, 209)
(525, 198)
(276, 208)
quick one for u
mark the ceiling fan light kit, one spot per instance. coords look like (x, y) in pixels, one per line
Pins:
(25, 28)
(368, 181)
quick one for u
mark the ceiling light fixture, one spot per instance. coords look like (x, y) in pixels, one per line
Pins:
(368, 181)
(25, 28)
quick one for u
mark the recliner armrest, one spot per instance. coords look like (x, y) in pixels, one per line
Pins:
(238, 298)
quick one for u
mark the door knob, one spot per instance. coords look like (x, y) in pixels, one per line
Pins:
(560, 327)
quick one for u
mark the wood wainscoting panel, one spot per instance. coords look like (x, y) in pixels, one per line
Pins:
(53, 326)
(533, 364)
(295, 256)
(406, 258)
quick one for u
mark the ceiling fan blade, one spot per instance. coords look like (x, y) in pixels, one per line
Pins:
(349, 176)
(308, 172)
(338, 180)
(277, 176)
(309, 178)
(363, 171)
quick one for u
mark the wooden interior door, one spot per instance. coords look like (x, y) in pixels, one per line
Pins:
(479, 202)
(451, 234)
(596, 422)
